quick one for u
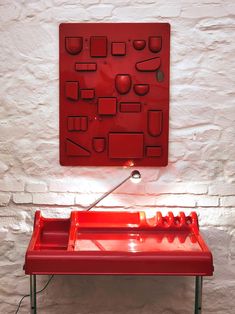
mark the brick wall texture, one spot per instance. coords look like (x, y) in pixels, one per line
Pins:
(200, 175)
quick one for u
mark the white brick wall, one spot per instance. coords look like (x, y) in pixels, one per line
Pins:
(200, 175)
(36, 187)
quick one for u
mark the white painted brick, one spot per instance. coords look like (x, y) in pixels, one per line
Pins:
(130, 201)
(68, 13)
(11, 185)
(22, 198)
(177, 150)
(229, 170)
(74, 185)
(117, 3)
(176, 200)
(116, 200)
(169, 10)
(227, 201)
(4, 199)
(84, 200)
(232, 247)
(200, 11)
(100, 12)
(87, 3)
(218, 241)
(143, 12)
(177, 188)
(222, 189)
(53, 199)
(3, 167)
(141, 2)
(9, 12)
(132, 13)
(62, 186)
(207, 201)
(218, 217)
(36, 187)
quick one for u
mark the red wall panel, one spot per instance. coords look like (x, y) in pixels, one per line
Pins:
(114, 94)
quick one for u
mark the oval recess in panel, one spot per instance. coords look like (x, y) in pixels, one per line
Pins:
(159, 76)
(155, 43)
(139, 44)
(73, 45)
(155, 122)
(141, 89)
(99, 144)
(123, 83)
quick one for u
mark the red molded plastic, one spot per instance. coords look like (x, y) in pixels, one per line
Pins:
(118, 243)
(116, 75)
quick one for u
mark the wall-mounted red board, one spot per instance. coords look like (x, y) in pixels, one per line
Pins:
(114, 94)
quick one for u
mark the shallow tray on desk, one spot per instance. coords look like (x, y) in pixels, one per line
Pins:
(118, 243)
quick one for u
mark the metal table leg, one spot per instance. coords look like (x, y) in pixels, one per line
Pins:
(198, 295)
(33, 299)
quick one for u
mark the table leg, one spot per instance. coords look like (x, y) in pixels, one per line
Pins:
(33, 299)
(198, 295)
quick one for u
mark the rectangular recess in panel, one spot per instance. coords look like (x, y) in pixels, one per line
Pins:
(153, 151)
(98, 46)
(130, 107)
(85, 66)
(155, 122)
(87, 94)
(126, 145)
(77, 123)
(71, 90)
(107, 105)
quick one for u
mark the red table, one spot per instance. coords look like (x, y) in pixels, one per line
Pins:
(118, 243)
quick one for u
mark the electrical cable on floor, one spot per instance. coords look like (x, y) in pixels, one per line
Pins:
(28, 295)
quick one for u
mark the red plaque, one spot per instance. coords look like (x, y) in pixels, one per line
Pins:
(114, 94)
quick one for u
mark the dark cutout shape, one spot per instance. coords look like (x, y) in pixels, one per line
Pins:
(141, 89)
(99, 144)
(123, 83)
(148, 65)
(72, 90)
(73, 45)
(85, 66)
(74, 149)
(139, 44)
(98, 46)
(155, 43)
(155, 122)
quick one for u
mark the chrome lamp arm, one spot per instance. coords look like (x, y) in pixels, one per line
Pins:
(135, 175)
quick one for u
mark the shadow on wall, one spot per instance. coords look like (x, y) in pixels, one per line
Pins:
(117, 294)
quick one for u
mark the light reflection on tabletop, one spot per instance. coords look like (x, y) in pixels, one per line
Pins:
(136, 242)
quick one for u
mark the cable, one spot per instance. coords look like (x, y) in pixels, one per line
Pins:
(28, 295)
(45, 285)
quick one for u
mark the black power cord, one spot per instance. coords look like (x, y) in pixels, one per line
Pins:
(28, 295)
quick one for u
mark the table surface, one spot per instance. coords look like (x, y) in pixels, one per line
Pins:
(118, 243)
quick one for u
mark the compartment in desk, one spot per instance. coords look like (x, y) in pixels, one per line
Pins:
(54, 234)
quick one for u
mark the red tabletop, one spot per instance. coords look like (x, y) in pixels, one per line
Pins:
(118, 243)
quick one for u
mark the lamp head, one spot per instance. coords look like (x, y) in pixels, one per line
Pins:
(135, 176)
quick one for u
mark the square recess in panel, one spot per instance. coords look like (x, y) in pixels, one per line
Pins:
(114, 111)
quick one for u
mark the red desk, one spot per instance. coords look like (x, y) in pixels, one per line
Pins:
(118, 243)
